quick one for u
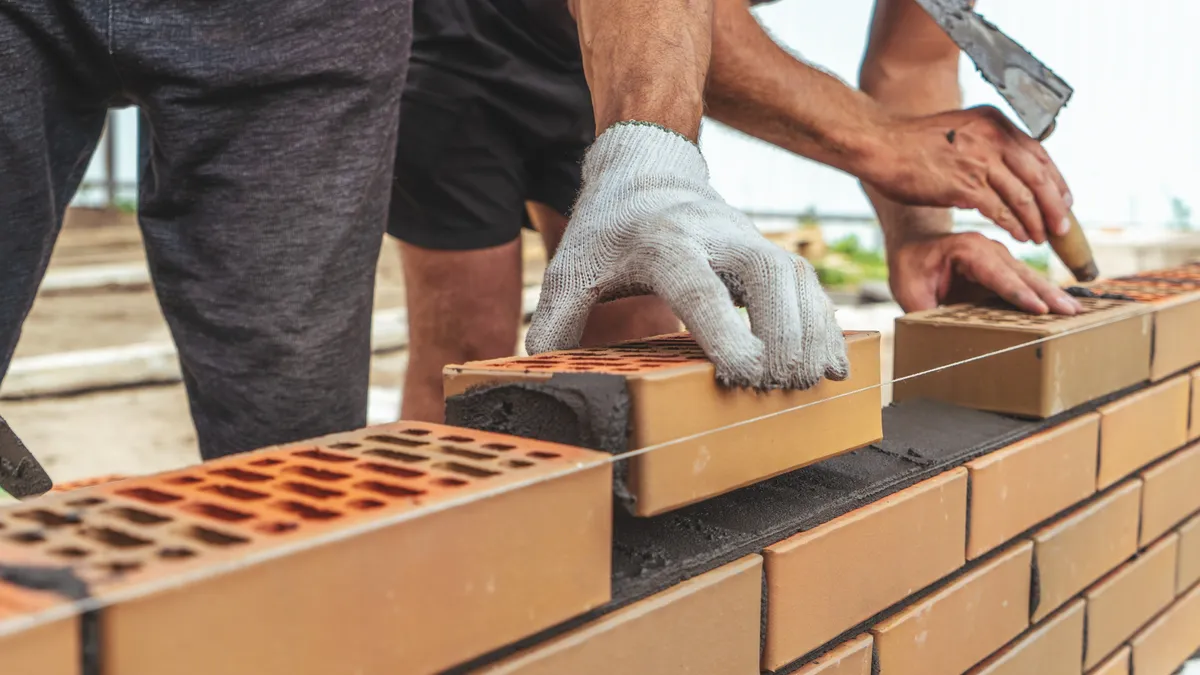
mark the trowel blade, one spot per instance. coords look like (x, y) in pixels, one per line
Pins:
(1035, 93)
(21, 475)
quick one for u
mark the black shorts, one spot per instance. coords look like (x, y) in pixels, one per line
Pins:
(470, 153)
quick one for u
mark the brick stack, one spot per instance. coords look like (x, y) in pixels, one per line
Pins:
(1033, 512)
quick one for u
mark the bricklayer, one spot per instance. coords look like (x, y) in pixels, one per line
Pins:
(481, 574)
(1076, 364)
(673, 394)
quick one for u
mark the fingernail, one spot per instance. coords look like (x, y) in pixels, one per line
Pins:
(1064, 227)
(1069, 200)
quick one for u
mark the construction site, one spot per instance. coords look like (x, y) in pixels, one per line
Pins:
(1003, 481)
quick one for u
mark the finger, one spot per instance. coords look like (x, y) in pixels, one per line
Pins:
(991, 270)
(1037, 181)
(684, 279)
(764, 277)
(562, 309)
(827, 334)
(1035, 148)
(1058, 300)
(1020, 201)
(992, 206)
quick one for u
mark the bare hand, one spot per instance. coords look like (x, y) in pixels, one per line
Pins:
(949, 268)
(973, 159)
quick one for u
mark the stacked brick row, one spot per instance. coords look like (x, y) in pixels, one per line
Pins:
(966, 541)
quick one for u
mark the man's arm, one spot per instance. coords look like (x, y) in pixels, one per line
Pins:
(905, 138)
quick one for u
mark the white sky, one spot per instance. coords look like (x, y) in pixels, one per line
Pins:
(1128, 141)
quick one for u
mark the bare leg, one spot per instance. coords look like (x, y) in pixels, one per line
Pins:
(462, 306)
(646, 60)
(610, 322)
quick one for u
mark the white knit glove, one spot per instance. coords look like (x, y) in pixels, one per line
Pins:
(647, 221)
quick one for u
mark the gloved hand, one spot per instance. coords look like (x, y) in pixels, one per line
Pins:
(647, 221)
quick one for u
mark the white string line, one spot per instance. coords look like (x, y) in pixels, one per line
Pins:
(137, 591)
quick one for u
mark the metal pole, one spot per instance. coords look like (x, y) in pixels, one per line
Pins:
(110, 161)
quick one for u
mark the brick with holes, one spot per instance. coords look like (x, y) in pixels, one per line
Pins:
(1175, 305)
(400, 548)
(662, 391)
(31, 644)
(1084, 357)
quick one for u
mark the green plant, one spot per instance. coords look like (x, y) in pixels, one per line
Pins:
(1038, 261)
(125, 205)
(831, 276)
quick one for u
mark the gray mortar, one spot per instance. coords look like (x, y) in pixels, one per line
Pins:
(586, 410)
(921, 440)
(21, 475)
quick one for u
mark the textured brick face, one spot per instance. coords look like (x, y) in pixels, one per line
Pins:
(1189, 555)
(1018, 487)
(1142, 427)
(708, 625)
(931, 637)
(1164, 645)
(850, 658)
(1049, 648)
(1084, 545)
(423, 586)
(1194, 417)
(1169, 493)
(1125, 600)
(824, 581)
(49, 649)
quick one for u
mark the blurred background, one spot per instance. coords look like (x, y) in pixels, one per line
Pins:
(94, 388)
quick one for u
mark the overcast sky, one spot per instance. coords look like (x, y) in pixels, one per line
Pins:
(1128, 141)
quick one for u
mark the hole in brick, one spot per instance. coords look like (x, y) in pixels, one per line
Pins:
(183, 480)
(138, 516)
(312, 490)
(150, 495)
(322, 456)
(397, 471)
(500, 447)
(71, 552)
(121, 566)
(416, 432)
(344, 446)
(388, 489)
(242, 475)
(176, 553)
(277, 527)
(85, 502)
(266, 461)
(317, 474)
(48, 518)
(366, 503)
(469, 454)
(213, 537)
(517, 463)
(544, 455)
(397, 456)
(466, 469)
(451, 482)
(235, 492)
(457, 439)
(217, 512)
(28, 537)
(307, 512)
(114, 538)
(396, 440)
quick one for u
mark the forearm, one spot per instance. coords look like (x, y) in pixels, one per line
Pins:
(910, 68)
(757, 87)
(646, 60)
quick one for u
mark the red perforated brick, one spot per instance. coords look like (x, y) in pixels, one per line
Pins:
(1189, 272)
(1075, 364)
(86, 482)
(422, 590)
(45, 649)
(1176, 307)
(674, 395)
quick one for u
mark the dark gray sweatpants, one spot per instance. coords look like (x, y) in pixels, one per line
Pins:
(273, 126)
